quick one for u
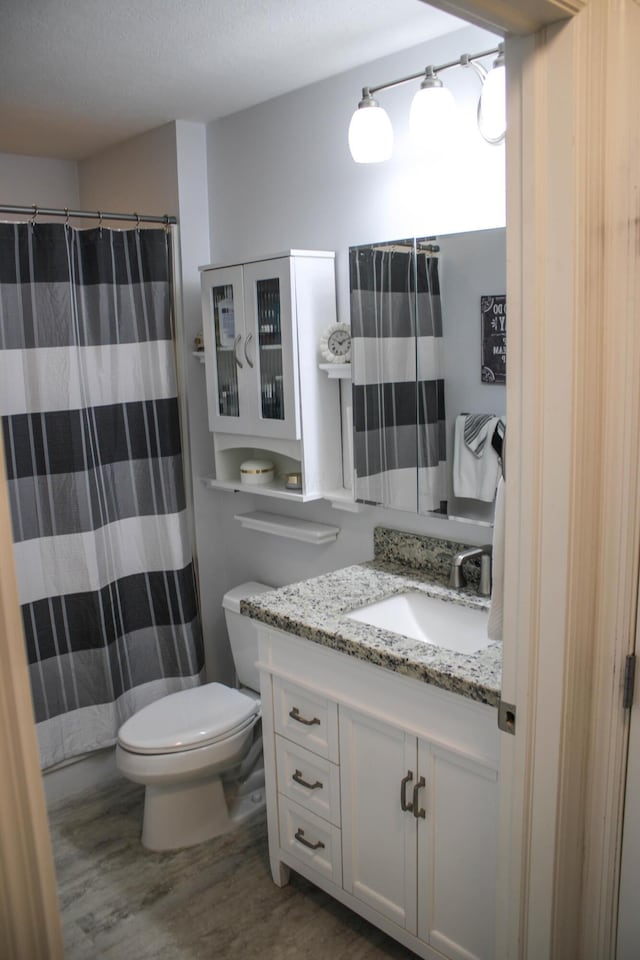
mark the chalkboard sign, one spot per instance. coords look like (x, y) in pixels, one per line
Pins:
(493, 314)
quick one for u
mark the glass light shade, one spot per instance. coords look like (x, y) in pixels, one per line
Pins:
(432, 117)
(493, 104)
(370, 135)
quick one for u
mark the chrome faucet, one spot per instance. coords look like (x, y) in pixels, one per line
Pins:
(456, 578)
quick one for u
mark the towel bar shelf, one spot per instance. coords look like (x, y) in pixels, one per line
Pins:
(289, 527)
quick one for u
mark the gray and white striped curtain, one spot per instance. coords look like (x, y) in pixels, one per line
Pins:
(398, 392)
(92, 445)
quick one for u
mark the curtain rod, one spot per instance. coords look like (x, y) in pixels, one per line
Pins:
(35, 211)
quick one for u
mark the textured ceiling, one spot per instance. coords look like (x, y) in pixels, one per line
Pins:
(79, 75)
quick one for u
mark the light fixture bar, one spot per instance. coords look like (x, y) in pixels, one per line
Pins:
(463, 60)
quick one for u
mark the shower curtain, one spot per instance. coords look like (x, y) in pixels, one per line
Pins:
(398, 390)
(89, 409)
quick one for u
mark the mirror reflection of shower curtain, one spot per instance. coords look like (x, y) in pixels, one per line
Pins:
(398, 393)
(90, 418)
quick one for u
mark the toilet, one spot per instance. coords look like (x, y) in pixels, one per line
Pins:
(199, 751)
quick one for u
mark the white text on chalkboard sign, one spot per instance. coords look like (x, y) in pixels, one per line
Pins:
(493, 318)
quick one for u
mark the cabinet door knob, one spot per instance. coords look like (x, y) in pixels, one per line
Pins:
(296, 715)
(299, 836)
(403, 791)
(235, 350)
(297, 776)
(246, 344)
(418, 811)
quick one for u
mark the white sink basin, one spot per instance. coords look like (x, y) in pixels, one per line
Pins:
(428, 619)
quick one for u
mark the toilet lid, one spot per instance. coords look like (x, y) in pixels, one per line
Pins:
(188, 719)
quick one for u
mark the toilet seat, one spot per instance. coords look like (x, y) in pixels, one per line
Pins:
(188, 720)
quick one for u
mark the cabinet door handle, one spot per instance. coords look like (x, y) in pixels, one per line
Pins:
(297, 776)
(418, 811)
(235, 350)
(296, 715)
(299, 836)
(246, 355)
(403, 791)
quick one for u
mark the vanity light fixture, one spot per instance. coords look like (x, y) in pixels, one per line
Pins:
(492, 120)
(370, 131)
(432, 109)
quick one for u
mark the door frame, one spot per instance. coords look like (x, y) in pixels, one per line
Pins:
(573, 525)
(29, 917)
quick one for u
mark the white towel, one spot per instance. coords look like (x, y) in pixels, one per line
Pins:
(494, 627)
(475, 473)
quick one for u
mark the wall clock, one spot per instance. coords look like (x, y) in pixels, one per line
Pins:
(335, 343)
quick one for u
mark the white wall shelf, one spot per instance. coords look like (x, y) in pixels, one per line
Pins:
(289, 527)
(337, 371)
(276, 489)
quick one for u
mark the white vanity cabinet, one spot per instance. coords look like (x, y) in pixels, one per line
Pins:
(383, 791)
(419, 825)
(262, 323)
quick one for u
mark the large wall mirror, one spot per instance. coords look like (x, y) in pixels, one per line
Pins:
(428, 319)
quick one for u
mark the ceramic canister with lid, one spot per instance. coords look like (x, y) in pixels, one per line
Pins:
(256, 473)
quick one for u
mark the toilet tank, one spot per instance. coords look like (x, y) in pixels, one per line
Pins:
(243, 635)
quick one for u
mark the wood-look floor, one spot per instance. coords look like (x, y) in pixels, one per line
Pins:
(215, 900)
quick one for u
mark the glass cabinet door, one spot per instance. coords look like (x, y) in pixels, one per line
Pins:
(270, 346)
(269, 316)
(223, 312)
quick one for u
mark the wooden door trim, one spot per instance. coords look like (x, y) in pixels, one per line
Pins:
(29, 918)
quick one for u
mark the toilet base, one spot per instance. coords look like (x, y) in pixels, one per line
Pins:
(182, 815)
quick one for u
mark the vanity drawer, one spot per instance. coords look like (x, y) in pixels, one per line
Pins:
(309, 780)
(310, 839)
(306, 718)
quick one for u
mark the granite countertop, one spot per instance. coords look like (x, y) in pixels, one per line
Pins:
(316, 610)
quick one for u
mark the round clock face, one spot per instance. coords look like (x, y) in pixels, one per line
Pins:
(339, 343)
(336, 344)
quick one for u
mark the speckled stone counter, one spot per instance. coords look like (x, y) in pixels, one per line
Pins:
(317, 609)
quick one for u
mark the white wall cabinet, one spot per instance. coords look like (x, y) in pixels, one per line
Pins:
(251, 350)
(262, 322)
(384, 792)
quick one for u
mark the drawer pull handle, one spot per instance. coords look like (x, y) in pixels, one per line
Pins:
(297, 776)
(403, 791)
(418, 811)
(296, 715)
(299, 836)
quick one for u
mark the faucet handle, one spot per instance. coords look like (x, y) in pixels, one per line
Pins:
(456, 577)
(484, 586)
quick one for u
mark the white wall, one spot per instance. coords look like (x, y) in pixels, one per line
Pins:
(193, 211)
(46, 182)
(138, 175)
(280, 177)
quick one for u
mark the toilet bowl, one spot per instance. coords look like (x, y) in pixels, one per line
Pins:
(198, 752)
